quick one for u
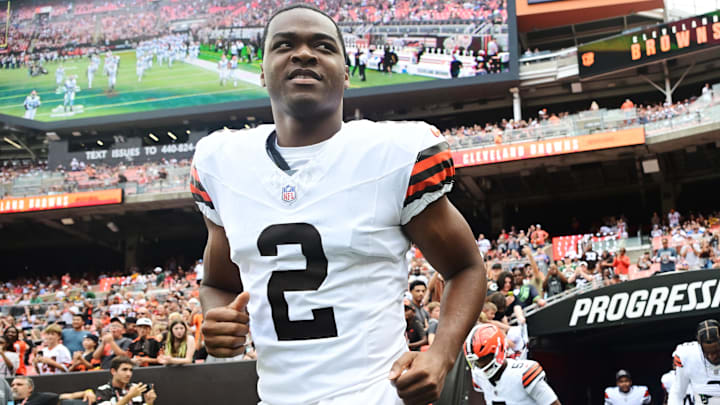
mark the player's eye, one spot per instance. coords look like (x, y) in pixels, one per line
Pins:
(326, 46)
(282, 44)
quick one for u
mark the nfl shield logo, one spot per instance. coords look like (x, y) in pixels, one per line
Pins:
(288, 194)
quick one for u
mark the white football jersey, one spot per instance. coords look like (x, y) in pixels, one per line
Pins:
(638, 395)
(522, 383)
(692, 369)
(60, 354)
(668, 379)
(322, 252)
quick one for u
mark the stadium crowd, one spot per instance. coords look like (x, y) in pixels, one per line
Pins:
(65, 24)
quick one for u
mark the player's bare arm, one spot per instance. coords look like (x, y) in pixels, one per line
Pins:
(445, 238)
(225, 322)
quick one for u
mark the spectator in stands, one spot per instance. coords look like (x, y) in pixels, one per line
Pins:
(9, 360)
(531, 271)
(414, 330)
(417, 290)
(666, 256)
(538, 237)
(644, 262)
(54, 357)
(112, 344)
(23, 393)
(691, 253)
(145, 348)
(492, 277)
(85, 360)
(621, 264)
(511, 305)
(179, 346)
(130, 331)
(525, 293)
(582, 277)
(19, 346)
(119, 390)
(483, 244)
(673, 218)
(73, 337)
(435, 289)
(555, 282)
(590, 257)
(434, 310)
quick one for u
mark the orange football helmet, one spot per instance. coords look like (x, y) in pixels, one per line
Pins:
(485, 339)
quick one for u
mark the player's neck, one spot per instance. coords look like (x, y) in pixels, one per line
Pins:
(292, 132)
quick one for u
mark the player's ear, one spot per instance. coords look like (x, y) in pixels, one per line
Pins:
(262, 75)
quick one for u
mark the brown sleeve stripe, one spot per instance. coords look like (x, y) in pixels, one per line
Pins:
(198, 191)
(433, 170)
(531, 375)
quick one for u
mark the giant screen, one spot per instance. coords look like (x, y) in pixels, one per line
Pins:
(103, 58)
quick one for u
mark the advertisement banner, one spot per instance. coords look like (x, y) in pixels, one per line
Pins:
(550, 147)
(651, 299)
(60, 201)
(652, 44)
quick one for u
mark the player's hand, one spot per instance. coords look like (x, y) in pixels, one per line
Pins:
(419, 377)
(225, 328)
(89, 397)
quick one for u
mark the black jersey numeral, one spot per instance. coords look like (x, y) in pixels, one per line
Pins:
(307, 236)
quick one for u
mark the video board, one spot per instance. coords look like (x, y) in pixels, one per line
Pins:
(60, 201)
(103, 58)
(653, 44)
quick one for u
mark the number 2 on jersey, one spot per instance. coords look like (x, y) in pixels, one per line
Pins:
(307, 236)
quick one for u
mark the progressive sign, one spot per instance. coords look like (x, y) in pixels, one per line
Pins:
(656, 298)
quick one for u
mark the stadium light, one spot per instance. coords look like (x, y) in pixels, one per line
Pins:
(650, 166)
(111, 226)
(187, 132)
(153, 137)
(99, 142)
(172, 136)
(53, 136)
(67, 221)
(76, 133)
(11, 142)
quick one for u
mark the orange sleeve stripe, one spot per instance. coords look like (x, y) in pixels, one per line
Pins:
(530, 370)
(677, 362)
(430, 181)
(430, 162)
(205, 196)
(194, 174)
(529, 376)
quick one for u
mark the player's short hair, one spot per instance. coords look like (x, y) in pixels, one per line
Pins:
(306, 7)
(417, 283)
(708, 331)
(119, 361)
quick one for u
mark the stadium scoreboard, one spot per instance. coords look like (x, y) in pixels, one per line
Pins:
(653, 44)
(5, 31)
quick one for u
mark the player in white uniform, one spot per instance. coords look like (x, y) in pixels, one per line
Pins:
(234, 72)
(111, 68)
(625, 393)
(500, 379)
(223, 69)
(140, 67)
(31, 104)
(668, 379)
(59, 76)
(92, 69)
(70, 89)
(697, 364)
(308, 224)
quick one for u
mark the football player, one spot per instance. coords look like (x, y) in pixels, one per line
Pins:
(31, 104)
(668, 379)
(308, 223)
(111, 69)
(698, 364)
(59, 76)
(92, 69)
(223, 69)
(625, 393)
(70, 89)
(500, 379)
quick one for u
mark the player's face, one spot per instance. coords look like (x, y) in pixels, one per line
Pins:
(624, 384)
(712, 352)
(304, 67)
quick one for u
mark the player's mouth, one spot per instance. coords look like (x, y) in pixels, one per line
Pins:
(304, 76)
